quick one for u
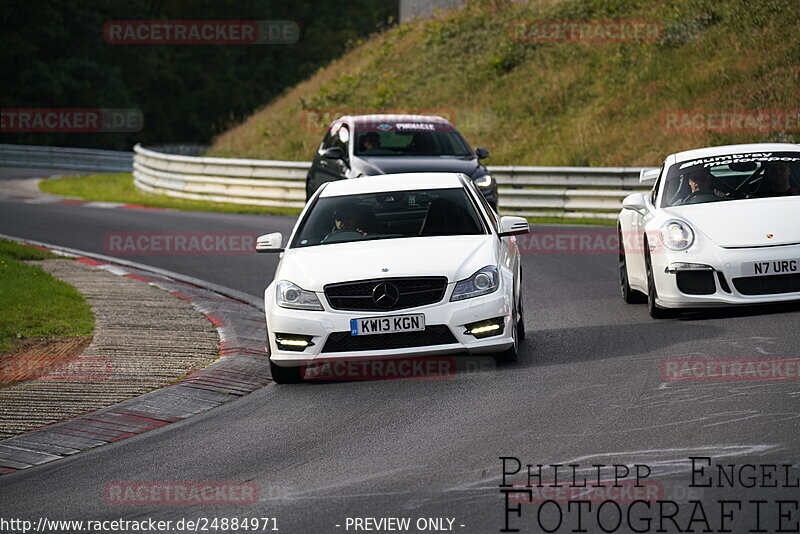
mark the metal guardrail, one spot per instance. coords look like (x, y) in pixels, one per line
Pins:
(82, 159)
(573, 192)
(570, 192)
(240, 181)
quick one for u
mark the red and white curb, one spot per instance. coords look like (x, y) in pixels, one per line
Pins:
(242, 367)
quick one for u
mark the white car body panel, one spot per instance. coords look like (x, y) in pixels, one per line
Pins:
(727, 235)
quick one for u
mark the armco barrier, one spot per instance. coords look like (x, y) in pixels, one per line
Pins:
(79, 159)
(574, 192)
(241, 181)
(571, 192)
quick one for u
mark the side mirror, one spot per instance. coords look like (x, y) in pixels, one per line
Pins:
(634, 202)
(269, 243)
(513, 226)
(481, 152)
(648, 175)
(333, 152)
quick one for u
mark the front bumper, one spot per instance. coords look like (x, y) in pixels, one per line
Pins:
(454, 316)
(725, 266)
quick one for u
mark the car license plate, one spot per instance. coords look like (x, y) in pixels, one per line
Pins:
(768, 268)
(387, 325)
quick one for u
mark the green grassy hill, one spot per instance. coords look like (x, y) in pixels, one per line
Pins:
(554, 103)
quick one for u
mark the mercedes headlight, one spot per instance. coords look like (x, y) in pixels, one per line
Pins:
(288, 295)
(482, 282)
(483, 181)
(677, 235)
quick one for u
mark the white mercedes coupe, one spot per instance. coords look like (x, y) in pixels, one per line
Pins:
(720, 227)
(391, 266)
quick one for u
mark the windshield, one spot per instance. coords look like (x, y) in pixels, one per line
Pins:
(732, 177)
(389, 215)
(411, 138)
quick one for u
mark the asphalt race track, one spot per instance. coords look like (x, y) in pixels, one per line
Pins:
(587, 390)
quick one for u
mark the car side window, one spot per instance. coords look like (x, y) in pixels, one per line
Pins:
(654, 192)
(341, 139)
(331, 137)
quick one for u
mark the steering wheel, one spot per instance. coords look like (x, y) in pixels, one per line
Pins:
(697, 197)
(342, 235)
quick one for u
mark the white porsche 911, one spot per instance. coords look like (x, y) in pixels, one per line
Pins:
(720, 227)
(394, 266)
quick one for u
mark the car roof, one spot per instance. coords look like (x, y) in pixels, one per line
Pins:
(391, 117)
(733, 149)
(392, 182)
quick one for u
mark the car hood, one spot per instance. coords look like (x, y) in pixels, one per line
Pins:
(456, 257)
(745, 223)
(402, 164)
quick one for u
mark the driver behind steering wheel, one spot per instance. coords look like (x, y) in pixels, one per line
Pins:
(700, 185)
(347, 218)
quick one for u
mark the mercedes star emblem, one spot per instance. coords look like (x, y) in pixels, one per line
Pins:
(385, 295)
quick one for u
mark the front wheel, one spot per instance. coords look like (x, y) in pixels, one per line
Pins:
(656, 312)
(517, 334)
(629, 295)
(286, 375)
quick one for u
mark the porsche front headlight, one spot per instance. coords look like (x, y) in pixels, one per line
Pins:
(677, 235)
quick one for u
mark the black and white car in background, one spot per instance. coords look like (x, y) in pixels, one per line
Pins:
(394, 266)
(720, 227)
(367, 145)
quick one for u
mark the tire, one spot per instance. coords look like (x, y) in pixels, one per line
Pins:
(309, 192)
(510, 354)
(286, 375)
(656, 312)
(629, 295)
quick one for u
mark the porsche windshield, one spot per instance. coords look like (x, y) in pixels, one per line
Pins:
(394, 138)
(732, 177)
(389, 215)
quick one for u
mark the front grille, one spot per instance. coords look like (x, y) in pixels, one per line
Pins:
(411, 292)
(767, 285)
(696, 282)
(432, 335)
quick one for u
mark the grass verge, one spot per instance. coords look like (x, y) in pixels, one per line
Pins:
(552, 102)
(576, 222)
(119, 188)
(34, 303)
